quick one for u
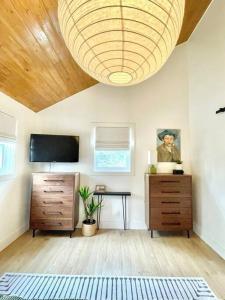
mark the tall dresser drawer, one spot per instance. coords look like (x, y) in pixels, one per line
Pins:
(164, 212)
(56, 191)
(175, 181)
(51, 201)
(172, 225)
(51, 212)
(169, 202)
(171, 191)
(47, 224)
(39, 179)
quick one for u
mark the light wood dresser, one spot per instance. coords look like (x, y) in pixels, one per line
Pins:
(54, 201)
(168, 202)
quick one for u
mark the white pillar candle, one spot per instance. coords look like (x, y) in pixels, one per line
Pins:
(152, 157)
(149, 157)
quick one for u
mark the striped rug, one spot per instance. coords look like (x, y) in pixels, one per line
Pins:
(37, 286)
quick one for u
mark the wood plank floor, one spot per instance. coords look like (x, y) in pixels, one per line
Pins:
(116, 252)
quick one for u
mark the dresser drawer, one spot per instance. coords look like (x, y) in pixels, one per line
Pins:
(46, 224)
(46, 201)
(171, 224)
(52, 212)
(171, 191)
(53, 179)
(164, 212)
(171, 181)
(171, 202)
(52, 191)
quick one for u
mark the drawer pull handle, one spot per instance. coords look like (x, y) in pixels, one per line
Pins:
(52, 202)
(169, 181)
(168, 223)
(171, 213)
(52, 213)
(53, 191)
(170, 202)
(53, 180)
(51, 224)
(170, 192)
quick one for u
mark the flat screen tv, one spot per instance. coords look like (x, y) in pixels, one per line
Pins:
(54, 148)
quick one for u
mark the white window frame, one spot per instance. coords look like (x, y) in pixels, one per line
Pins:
(8, 132)
(132, 146)
(12, 174)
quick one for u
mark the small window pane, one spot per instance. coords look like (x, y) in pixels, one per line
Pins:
(7, 158)
(113, 161)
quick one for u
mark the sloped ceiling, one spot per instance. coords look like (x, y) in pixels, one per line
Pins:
(36, 69)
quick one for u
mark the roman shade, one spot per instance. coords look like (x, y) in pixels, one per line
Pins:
(7, 126)
(112, 138)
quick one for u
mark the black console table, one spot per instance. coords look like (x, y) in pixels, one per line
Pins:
(123, 196)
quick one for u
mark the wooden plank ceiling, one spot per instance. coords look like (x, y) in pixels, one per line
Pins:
(36, 69)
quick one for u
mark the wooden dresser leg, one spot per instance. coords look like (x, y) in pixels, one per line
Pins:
(151, 234)
(188, 234)
(71, 233)
(33, 234)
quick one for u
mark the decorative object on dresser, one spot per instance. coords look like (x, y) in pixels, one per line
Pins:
(168, 202)
(54, 201)
(178, 168)
(152, 162)
(100, 188)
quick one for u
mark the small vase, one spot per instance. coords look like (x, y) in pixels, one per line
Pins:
(89, 229)
(152, 169)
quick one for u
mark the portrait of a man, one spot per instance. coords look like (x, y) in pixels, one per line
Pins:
(168, 145)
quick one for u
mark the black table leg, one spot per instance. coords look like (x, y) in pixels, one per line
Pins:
(124, 204)
(125, 213)
(100, 209)
(98, 213)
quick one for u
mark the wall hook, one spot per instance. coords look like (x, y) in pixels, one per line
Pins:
(222, 109)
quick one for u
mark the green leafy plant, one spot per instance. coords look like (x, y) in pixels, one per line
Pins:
(90, 205)
(179, 162)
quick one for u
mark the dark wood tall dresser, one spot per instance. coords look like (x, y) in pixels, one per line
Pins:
(54, 201)
(168, 202)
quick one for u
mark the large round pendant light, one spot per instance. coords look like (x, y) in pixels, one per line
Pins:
(121, 42)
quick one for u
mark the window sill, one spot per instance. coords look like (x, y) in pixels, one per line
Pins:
(6, 177)
(94, 173)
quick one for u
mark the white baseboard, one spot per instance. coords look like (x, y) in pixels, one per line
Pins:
(12, 237)
(218, 248)
(119, 225)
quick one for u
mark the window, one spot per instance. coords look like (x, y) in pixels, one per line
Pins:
(113, 148)
(7, 157)
(7, 145)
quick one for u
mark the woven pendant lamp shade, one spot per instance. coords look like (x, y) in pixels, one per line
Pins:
(121, 42)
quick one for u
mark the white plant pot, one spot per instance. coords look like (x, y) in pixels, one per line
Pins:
(89, 229)
(179, 167)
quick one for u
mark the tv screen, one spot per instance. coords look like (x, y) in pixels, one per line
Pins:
(54, 148)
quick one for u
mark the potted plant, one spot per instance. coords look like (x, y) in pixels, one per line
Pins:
(90, 207)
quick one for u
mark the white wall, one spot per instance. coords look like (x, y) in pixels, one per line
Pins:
(206, 50)
(161, 101)
(15, 192)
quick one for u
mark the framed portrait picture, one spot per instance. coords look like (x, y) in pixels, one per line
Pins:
(168, 145)
(100, 188)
